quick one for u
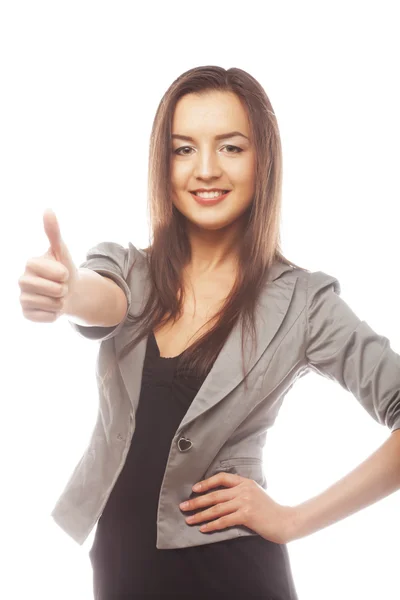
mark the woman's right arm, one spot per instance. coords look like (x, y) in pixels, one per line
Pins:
(96, 300)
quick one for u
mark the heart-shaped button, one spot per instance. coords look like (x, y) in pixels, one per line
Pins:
(184, 444)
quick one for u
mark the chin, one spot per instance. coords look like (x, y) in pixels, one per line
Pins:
(211, 220)
(213, 224)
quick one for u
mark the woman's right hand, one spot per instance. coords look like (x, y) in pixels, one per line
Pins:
(48, 280)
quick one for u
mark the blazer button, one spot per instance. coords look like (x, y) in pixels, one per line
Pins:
(184, 444)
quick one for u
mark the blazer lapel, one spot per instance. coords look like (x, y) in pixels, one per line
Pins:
(226, 373)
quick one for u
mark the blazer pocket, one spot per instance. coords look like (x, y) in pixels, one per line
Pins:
(241, 460)
(251, 468)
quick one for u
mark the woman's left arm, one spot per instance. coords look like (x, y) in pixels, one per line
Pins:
(344, 348)
(374, 479)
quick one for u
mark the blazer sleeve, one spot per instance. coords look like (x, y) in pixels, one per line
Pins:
(344, 348)
(111, 260)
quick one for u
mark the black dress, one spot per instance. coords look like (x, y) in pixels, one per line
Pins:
(125, 560)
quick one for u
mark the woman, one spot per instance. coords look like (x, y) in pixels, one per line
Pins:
(214, 132)
(174, 407)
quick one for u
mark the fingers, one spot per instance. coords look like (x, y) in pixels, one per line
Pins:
(53, 232)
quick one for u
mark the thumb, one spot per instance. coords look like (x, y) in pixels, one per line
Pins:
(53, 233)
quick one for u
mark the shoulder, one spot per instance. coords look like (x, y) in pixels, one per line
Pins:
(319, 281)
(311, 281)
(122, 256)
(314, 291)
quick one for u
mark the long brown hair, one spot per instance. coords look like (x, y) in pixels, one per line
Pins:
(169, 252)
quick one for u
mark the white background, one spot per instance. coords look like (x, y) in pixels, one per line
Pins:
(80, 84)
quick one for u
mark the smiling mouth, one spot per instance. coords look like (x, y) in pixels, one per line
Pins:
(210, 200)
(214, 194)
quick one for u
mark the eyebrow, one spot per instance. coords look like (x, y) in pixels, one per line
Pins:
(222, 136)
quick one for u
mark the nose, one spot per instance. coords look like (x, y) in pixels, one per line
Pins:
(207, 165)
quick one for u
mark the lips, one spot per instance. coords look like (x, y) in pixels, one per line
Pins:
(209, 201)
(198, 191)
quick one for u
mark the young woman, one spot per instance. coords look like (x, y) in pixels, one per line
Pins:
(184, 396)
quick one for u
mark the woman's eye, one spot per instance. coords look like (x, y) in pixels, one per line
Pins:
(178, 151)
(237, 150)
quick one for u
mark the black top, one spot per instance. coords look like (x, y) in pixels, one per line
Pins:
(126, 562)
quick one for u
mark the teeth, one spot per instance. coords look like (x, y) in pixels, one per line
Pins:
(209, 194)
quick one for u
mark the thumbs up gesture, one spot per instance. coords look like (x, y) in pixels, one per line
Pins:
(48, 280)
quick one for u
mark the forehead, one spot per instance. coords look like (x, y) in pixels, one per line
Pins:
(212, 112)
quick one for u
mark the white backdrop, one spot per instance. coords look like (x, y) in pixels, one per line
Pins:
(80, 83)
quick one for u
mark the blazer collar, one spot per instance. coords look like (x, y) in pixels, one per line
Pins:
(277, 269)
(226, 373)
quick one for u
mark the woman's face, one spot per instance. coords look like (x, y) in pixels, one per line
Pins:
(206, 162)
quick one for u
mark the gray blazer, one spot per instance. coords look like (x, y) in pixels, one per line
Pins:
(302, 324)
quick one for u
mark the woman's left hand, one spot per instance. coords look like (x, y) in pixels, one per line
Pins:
(244, 502)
